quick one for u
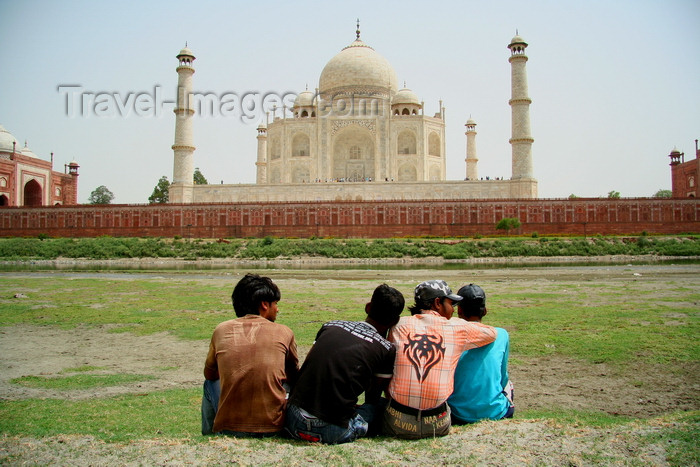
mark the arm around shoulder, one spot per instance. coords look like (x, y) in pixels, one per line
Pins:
(479, 335)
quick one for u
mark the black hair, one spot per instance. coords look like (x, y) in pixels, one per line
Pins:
(387, 305)
(421, 305)
(251, 291)
(472, 308)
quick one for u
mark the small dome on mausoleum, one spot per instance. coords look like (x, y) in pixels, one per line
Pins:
(6, 140)
(304, 99)
(28, 152)
(405, 96)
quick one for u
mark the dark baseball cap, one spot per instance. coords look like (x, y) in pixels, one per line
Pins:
(430, 290)
(473, 295)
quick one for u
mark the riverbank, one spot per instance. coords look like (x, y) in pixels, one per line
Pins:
(318, 262)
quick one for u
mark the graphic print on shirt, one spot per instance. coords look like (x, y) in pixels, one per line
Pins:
(240, 336)
(424, 351)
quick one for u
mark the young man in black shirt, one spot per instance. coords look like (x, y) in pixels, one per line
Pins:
(347, 359)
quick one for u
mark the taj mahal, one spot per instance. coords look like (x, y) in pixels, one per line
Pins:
(358, 137)
(358, 157)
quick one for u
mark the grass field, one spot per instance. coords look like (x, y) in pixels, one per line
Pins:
(104, 368)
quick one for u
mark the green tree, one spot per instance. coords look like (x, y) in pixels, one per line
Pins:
(663, 194)
(161, 191)
(613, 194)
(508, 224)
(199, 178)
(573, 196)
(101, 195)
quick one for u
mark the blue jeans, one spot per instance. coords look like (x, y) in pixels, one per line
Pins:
(210, 405)
(302, 425)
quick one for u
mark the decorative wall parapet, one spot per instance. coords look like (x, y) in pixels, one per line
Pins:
(357, 219)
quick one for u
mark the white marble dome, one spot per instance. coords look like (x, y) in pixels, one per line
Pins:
(6, 140)
(517, 40)
(186, 52)
(405, 96)
(28, 152)
(304, 99)
(358, 67)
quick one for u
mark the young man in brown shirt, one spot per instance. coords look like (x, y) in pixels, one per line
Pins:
(250, 361)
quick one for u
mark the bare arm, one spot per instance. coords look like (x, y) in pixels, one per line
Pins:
(504, 364)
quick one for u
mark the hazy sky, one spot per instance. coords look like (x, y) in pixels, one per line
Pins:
(615, 85)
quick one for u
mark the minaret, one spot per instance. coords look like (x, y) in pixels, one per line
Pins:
(71, 192)
(677, 178)
(471, 160)
(676, 156)
(261, 164)
(183, 149)
(521, 140)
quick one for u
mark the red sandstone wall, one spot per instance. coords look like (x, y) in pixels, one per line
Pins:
(68, 186)
(681, 174)
(357, 219)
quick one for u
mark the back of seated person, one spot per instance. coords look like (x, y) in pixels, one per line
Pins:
(482, 388)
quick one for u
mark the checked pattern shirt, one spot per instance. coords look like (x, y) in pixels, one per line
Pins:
(428, 347)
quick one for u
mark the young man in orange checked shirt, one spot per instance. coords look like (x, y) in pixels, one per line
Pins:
(429, 345)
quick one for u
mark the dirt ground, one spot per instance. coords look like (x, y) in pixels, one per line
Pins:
(541, 383)
(641, 391)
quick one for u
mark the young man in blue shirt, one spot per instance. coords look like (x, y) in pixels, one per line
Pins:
(482, 389)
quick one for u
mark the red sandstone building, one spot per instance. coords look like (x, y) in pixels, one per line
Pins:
(684, 175)
(26, 180)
